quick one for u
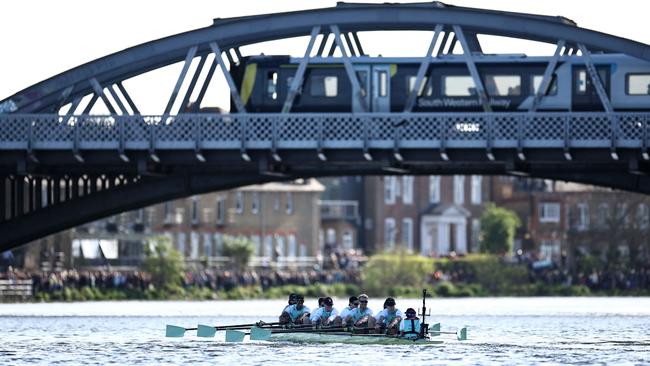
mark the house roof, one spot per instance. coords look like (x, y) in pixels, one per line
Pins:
(445, 209)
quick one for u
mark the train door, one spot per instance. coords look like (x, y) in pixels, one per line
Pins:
(363, 75)
(381, 88)
(584, 96)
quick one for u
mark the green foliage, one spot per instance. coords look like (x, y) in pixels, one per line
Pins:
(391, 273)
(498, 227)
(239, 250)
(164, 263)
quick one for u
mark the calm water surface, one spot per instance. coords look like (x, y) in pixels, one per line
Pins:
(525, 331)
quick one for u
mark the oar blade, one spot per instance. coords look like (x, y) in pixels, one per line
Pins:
(462, 334)
(174, 331)
(434, 330)
(260, 334)
(205, 331)
(234, 336)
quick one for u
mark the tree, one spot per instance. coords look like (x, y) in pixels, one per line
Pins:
(239, 250)
(164, 263)
(498, 227)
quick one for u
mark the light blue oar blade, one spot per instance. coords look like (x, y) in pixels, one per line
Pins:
(462, 334)
(234, 336)
(434, 330)
(260, 334)
(206, 331)
(174, 331)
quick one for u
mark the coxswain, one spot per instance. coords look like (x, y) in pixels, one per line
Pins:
(324, 315)
(409, 328)
(353, 302)
(296, 313)
(361, 316)
(388, 320)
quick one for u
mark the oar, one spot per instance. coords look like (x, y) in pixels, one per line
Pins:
(263, 334)
(176, 331)
(208, 331)
(461, 334)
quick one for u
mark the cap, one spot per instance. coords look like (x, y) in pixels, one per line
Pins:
(328, 301)
(390, 302)
(410, 312)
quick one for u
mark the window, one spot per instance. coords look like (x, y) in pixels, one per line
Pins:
(239, 202)
(255, 203)
(407, 233)
(434, 188)
(383, 83)
(549, 212)
(459, 189)
(583, 216)
(195, 211)
(194, 245)
(603, 214)
(549, 248)
(272, 85)
(411, 85)
(581, 82)
(477, 186)
(324, 86)
(330, 236)
(293, 246)
(289, 203)
(389, 233)
(221, 210)
(178, 215)
(537, 82)
(458, 86)
(167, 209)
(642, 215)
(207, 244)
(390, 187)
(276, 202)
(637, 84)
(257, 243)
(407, 189)
(503, 85)
(476, 234)
(348, 240)
(139, 216)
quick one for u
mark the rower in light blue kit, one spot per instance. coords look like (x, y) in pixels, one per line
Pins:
(297, 313)
(409, 328)
(353, 303)
(324, 315)
(388, 320)
(361, 316)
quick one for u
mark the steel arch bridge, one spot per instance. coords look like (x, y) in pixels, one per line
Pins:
(61, 169)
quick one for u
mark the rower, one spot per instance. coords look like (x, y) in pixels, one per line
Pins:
(361, 316)
(284, 319)
(296, 313)
(352, 304)
(324, 315)
(388, 320)
(409, 328)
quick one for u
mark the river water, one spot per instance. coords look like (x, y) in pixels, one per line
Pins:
(545, 331)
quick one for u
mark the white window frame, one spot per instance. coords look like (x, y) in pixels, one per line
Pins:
(603, 214)
(195, 211)
(459, 189)
(407, 190)
(477, 189)
(389, 190)
(642, 215)
(550, 212)
(407, 233)
(434, 188)
(289, 203)
(583, 216)
(255, 203)
(239, 202)
(220, 215)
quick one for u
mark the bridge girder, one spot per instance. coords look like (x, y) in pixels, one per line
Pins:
(46, 96)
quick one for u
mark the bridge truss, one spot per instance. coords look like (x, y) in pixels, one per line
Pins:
(60, 169)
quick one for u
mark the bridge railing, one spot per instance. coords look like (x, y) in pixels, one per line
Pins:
(325, 131)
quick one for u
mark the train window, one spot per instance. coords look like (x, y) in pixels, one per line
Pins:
(537, 82)
(324, 86)
(272, 85)
(458, 86)
(638, 84)
(581, 82)
(383, 83)
(503, 85)
(411, 85)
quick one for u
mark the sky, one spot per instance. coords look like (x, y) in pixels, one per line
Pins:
(43, 38)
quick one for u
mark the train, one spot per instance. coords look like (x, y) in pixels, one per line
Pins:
(510, 81)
